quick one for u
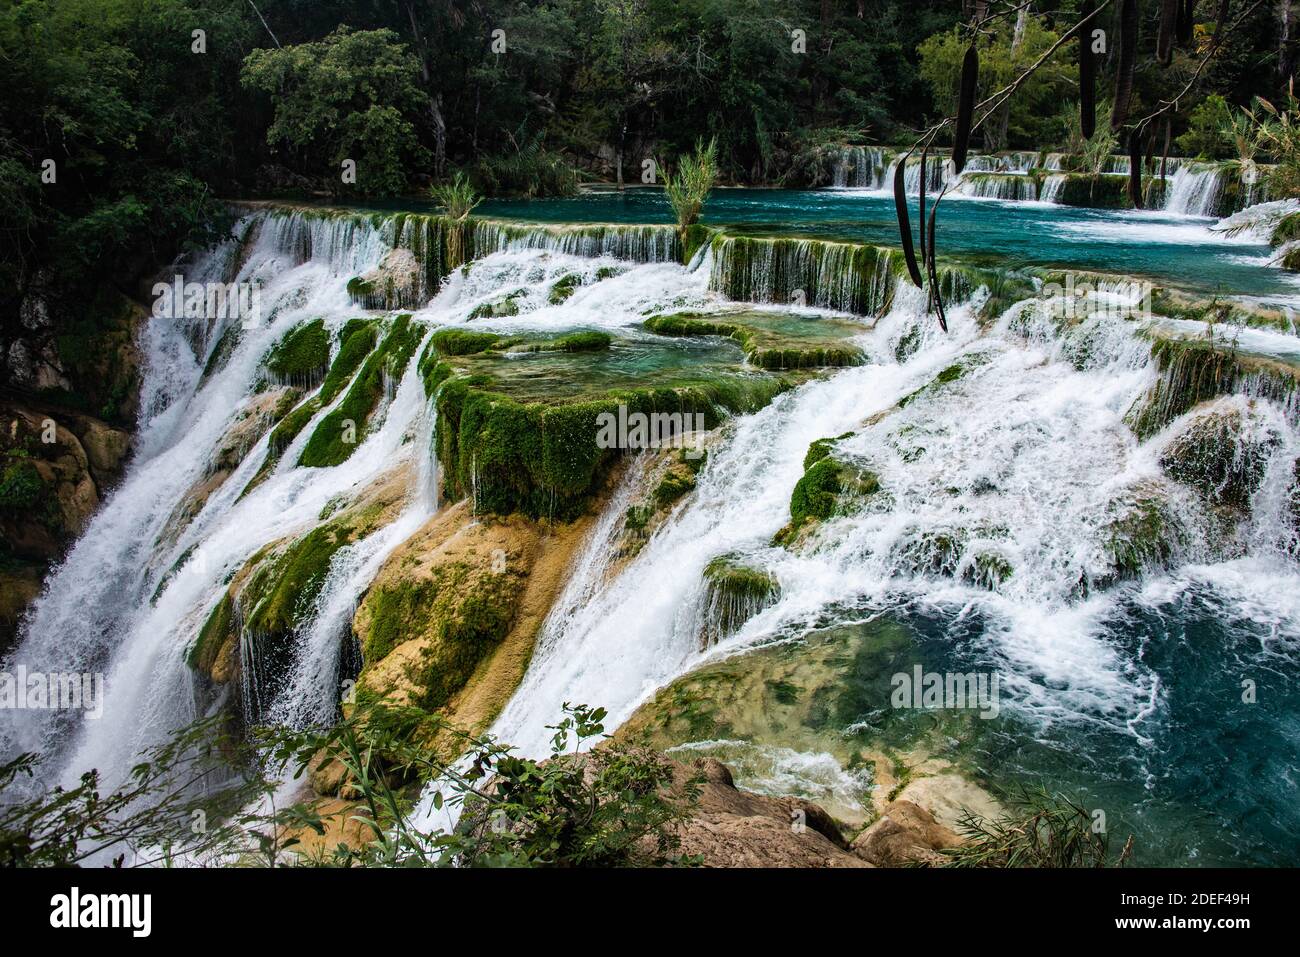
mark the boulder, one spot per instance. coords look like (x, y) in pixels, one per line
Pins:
(905, 834)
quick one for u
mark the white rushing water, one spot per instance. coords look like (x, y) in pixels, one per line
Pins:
(1017, 460)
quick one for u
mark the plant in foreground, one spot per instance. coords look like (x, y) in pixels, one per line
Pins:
(1039, 829)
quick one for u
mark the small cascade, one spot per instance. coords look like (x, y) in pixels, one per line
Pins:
(860, 167)
(1052, 187)
(841, 276)
(1196, 189)
(1011, 187)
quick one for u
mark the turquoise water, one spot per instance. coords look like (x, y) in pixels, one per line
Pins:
(1205, 779)
(1176, 249)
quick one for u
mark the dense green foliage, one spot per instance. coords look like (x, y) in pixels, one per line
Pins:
(150, 110)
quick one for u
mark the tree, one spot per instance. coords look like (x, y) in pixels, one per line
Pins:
(1006, 50)
(346, 97)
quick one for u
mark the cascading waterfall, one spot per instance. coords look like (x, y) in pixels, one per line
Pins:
(1196, 189)
(1005, 461)
(860, 167)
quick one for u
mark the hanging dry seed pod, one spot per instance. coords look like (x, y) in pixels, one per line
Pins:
(1168, 27)
(1135, 167)
(970, 72)
(1128, 37)
(925, 167)
(1186, 22)
(1221, 17)
(1164, 156)
(1087, 74)
(904, 220)
(936, 298)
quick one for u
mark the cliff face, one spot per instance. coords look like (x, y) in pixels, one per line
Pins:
(56, 466)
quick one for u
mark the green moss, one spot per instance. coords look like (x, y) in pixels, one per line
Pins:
(1141, 534)
(288, 428)
(462, 342)
(675, 483)
(356, 340)
(465, 610)
(284, 594)
(20, 484)
(339, 433)
(693, 237)
(816, 494)
(949, 375)
(1194, 370)
(302, 355)
(544, 459)
(821, 449)
(563, 288)
(507, 306)
(1213, 456)
(734, 593)
(588, 340)
(360, 289)
(216, 631)
(222, 351)
(763, 348)
(1108, 191)
(988, 570)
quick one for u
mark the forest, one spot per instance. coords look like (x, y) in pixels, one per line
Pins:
(126, 122)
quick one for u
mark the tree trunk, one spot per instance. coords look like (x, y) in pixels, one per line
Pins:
(996, 131)
(1286, 44)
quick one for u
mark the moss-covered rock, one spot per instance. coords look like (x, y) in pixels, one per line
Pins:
(302, 356)
(563, 288)
(1195, 370)
(734, 593)
(586, 340)
(545, 458)
(340, 433)
(766, 344)
(1141, 532)
(449, 623)
(1222, 453)
(827, 487)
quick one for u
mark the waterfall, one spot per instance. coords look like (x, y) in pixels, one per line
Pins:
(1011, 187)
(859, 167)
(841, 276)
(998, 512)
(1196, 189)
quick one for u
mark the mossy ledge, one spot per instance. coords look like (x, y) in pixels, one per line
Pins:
(734, 593)
(546, 459)
(302, 357)
(1194, 370)
(764, 349)
(828, 487)
(339, 433)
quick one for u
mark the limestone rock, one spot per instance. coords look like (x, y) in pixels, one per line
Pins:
(905, 834)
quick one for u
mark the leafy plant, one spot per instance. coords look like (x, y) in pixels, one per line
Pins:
(1039, 829)
(689, 187)
(458, 197)
(205, 797)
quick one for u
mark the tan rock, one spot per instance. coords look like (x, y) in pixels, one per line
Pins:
(904, 834)
(733, 828)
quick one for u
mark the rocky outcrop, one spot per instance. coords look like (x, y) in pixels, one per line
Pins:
(450, 621)
(55, 468)
(728, 827)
